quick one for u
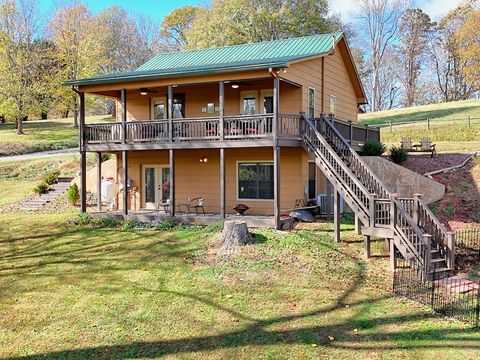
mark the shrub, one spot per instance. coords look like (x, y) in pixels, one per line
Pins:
(373, 148)
(41, 188)
(83, 219)
(398, 154)
(73, 195)
(132, 224)
(106, 221)
(51, 177)
(166, 225)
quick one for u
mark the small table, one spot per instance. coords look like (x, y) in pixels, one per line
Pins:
(165, 205)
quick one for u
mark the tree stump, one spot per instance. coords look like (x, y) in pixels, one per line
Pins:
(234, 234)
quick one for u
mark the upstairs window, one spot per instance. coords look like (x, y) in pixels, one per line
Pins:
(311, 103)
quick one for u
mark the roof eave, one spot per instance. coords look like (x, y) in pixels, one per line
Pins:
(156, 75)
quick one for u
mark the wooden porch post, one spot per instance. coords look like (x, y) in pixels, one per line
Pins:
(170, 111)
(358, 226)
(222, 183)
(171, 158)
(329, 200)
(123, 99)
(125, 181)
(366, 246)
(276, 152)
(336, 216)
(99, 181)
(276, 185)
(276, 107)
(83, 155)
(221, 105)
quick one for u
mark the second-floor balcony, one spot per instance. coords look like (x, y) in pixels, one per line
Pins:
(238, 130)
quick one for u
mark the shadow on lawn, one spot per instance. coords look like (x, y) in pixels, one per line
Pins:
(259, 332)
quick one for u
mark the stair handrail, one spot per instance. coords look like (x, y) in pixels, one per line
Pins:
(411, 235)
(379, 188)
(415, 240)
(339, 162)
(428, 221)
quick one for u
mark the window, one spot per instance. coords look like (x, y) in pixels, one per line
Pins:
(159, 109)
(255, 180)
(333, 103)
(210, 107)
(178, 106)
(249, 103)
(311, 103)
(312, 180)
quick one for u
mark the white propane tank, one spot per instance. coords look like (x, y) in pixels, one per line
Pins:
(108, 190)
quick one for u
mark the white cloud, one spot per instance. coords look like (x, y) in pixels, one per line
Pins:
(435, 8)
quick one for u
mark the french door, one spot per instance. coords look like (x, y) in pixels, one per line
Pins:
(156, 185)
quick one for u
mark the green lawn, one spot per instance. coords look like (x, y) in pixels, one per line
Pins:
(449, 136)
(71, 292)
(17, 178)
(40, 135)
(442, 111)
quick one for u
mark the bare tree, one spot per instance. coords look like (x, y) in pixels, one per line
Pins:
(446, 64)
(415, 26)
(379, 20)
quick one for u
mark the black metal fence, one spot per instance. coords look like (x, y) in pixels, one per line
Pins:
(468, 238)
(451, 297)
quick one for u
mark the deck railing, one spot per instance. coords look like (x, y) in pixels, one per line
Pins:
(237, 127)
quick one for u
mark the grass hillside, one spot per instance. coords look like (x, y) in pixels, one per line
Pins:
(40, 135)
(17, 178)
(449, 128)
(442, 111)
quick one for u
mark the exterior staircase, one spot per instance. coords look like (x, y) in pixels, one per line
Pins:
(62, 185)
(415, 231)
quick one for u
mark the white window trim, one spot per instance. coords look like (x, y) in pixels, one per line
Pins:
(330, 102)
(249, 93)
(152, 106)
(237, 179)
(142, 193)
(314, 101)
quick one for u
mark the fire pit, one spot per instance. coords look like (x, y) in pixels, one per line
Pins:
(241, 208)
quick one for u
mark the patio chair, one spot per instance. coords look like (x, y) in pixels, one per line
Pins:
(196, 204)
(427, 146)
(407, 144)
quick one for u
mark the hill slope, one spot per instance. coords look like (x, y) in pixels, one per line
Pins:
(442, 111)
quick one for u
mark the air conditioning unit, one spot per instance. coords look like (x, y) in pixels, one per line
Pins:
(322, 203)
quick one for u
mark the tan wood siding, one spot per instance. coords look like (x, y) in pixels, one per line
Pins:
(194, 179)
(337, 83)
(197, 97)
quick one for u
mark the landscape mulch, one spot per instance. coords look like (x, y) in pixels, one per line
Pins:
(424, 163)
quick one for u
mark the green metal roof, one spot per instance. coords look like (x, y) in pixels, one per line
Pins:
(276, 53)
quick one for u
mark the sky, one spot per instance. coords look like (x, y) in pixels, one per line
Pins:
(157, 9)
(435, 8)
